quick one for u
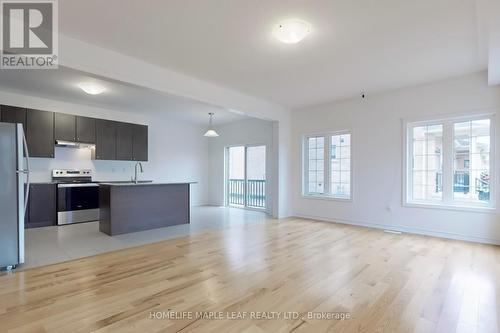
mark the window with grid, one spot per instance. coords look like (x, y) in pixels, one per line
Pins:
(327, 165)
(340, 165)
(316, 165)
(471, 161)
(427, 171)
(449, 162)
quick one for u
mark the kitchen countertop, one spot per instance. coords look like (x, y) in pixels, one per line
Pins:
(144, 183)
(120, 181)
(93, 181)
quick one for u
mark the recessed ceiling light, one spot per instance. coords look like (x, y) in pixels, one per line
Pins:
(92, 88)
(292, 31)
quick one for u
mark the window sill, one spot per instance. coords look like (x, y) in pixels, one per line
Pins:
(471, 208)
(325, 197)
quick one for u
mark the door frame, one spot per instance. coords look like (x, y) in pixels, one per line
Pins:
(226, 177)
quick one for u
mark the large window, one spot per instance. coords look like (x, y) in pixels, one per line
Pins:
(327, 165)
(449, 162)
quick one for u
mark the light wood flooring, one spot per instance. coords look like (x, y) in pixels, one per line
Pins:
(381, 282)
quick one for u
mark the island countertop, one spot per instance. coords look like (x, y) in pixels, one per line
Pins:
(130, 207)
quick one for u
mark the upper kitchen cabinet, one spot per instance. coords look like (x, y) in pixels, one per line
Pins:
(140, 143)
(124, 141)
(65, 127)
(74, 128)
(40, 133)
(105, 140)
(85, 129)
(13, 114)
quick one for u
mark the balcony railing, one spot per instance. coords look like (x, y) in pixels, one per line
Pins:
(461, 184)
(256, 192)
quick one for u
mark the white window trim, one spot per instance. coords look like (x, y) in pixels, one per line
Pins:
(304, 170)
(448, 203)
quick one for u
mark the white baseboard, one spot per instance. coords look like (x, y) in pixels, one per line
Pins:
(418, 231)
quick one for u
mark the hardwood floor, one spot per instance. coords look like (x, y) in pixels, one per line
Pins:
(381, 282)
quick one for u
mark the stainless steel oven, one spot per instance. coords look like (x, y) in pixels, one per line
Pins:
(77, 196)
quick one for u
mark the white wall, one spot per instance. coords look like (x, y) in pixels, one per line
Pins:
(177, 150)
(251, 131)
(281, 186)
(376, 123)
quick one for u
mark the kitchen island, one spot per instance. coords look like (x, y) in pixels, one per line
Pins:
(131, 207)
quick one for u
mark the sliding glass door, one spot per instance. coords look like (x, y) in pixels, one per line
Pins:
(246, 176)
(236, 176)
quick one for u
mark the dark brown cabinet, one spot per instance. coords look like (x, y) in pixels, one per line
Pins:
(85, 129)
(41, 210)
(131, 142)
(65, 127)
(114, 140)
(74, 128)
(13, 114)
(140, 143)
(40, 133)
(105, 140)
(124, 141)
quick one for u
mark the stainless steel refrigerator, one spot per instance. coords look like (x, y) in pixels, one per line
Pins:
(14, 176)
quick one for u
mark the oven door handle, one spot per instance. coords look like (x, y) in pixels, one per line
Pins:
(77, 185)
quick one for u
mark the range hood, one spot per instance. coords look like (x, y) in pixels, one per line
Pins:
(72, 144)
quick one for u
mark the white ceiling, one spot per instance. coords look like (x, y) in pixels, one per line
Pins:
(61, 84)
(372, 45)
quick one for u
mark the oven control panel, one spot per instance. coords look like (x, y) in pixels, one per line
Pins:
(61, 173)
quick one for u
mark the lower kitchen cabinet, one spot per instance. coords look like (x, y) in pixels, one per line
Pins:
(41, 210)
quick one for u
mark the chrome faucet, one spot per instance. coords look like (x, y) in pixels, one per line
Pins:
(136, 180)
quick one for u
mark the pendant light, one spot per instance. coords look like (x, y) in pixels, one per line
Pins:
(211, 133)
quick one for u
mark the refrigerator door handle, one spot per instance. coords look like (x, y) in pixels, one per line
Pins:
(27, 172)
(22, 195)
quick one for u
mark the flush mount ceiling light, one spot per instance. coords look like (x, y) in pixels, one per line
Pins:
(291, 31)
(92, 88)
(211, 133)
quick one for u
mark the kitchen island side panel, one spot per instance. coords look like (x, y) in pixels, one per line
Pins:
(105, 209)
(144, 207)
